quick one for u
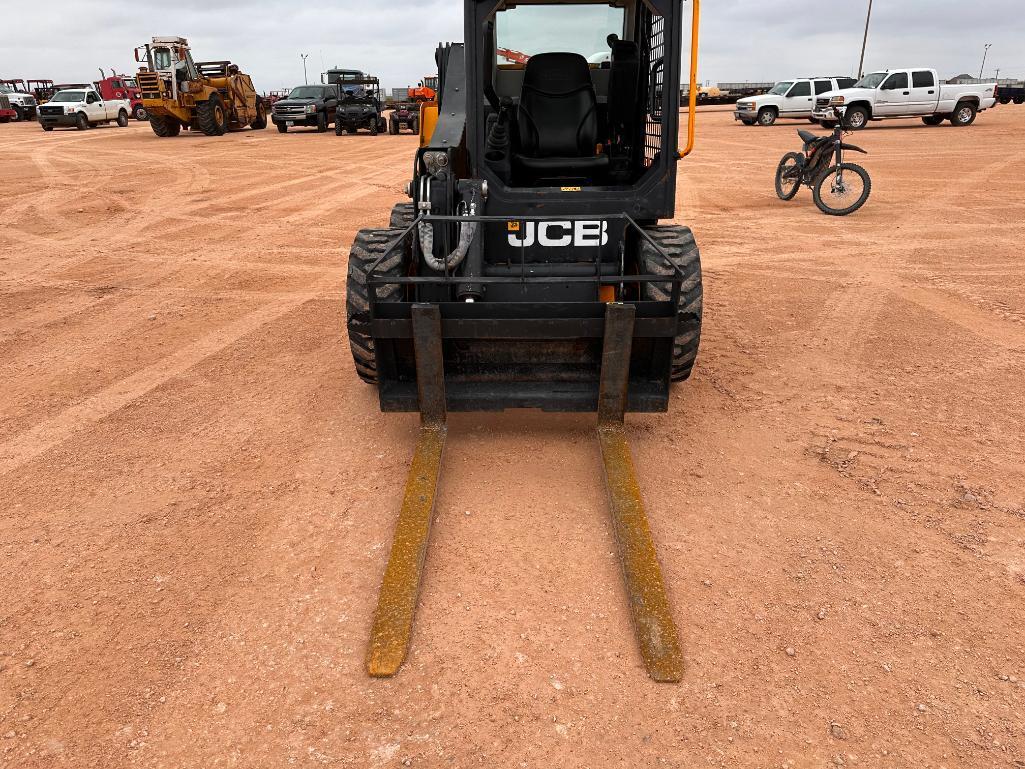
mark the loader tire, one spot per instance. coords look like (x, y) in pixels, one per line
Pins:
(164, 126)
(213, 117)
(367, 249)
(402, 215)
(678, 242)
(261, 117)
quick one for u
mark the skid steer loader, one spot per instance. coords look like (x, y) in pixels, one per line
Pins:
(209, 96)
(530, 269)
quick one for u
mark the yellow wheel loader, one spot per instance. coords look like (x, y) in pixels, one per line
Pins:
(209, 96)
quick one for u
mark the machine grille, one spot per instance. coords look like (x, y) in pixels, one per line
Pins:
(656, 78)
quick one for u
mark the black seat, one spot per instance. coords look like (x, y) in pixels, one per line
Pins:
(808, 137)
(558, 121)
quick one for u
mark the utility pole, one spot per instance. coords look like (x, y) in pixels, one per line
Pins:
(985, 53)
(304, 57)
(864, 42)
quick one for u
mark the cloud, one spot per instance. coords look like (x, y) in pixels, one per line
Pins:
(741, 39)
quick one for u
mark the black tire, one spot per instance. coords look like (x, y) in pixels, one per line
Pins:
(1005, 99)
(794, 170)
(339, 128)
(856, 118)
(261, 116)
(212, 116)
(1019, 99)
(47, 127)
(122, 119)
(416, 126)
(393, 126)
(747, 122)
(767, 116)
(828, 174)
(19, 113)
(139, 112)
(964, 115)
(932, 120)
(164, 126)
(813, 121)
(402, 215)
(367, 249)
(321, 122)
(5, 119)
(829, 125)
(678, 242)
(81, 122)
(282, 128)
(373, 127)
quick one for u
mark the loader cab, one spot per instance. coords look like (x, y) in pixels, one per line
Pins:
(578, 96)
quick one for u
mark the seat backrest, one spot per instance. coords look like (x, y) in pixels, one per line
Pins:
(558, 111)
(624, 82)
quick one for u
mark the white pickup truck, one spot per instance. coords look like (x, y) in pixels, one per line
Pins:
(903, 93)
(83, 108)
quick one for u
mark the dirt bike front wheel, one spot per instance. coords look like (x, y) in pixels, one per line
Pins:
(842, 189)
(788, 175)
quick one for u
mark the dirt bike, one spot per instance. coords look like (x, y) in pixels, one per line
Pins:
(838, 188)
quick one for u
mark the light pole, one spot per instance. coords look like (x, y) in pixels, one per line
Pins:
(304, 57)
(985, 53)
(864, 42)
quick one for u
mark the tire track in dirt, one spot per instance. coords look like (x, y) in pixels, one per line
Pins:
(22, 448)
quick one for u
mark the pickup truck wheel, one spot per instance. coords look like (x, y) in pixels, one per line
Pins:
(857, 118)
(678, 243)
(81, 122)
(122, 119)
(964, 115)
(321, 122)
(139, 112)
(282, 128)
(47, 127)
(19, 113)
(767, 116)
(932, 120)
(829, 125)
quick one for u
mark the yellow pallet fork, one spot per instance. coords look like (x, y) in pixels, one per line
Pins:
(645, 587)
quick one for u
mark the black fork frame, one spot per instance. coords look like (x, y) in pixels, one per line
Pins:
(534, 321)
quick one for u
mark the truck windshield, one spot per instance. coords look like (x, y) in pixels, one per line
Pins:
(872, 81)
(525, 30)
(69, 96)
(4, 88)
(781, 88)
(306, 92)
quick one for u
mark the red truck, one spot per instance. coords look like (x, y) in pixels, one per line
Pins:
(122, 87)
(6, 113)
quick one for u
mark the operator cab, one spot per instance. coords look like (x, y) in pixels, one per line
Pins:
(575, 93)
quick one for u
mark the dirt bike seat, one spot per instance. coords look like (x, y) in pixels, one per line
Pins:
(808, 137)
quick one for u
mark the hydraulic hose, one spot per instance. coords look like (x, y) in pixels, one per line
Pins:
(467, 231)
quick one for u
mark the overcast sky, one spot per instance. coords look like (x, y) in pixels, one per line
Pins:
(67, 40)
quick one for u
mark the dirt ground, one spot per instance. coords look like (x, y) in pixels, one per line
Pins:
(199, 495)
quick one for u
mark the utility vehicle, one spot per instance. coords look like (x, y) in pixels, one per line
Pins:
(537, 265)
